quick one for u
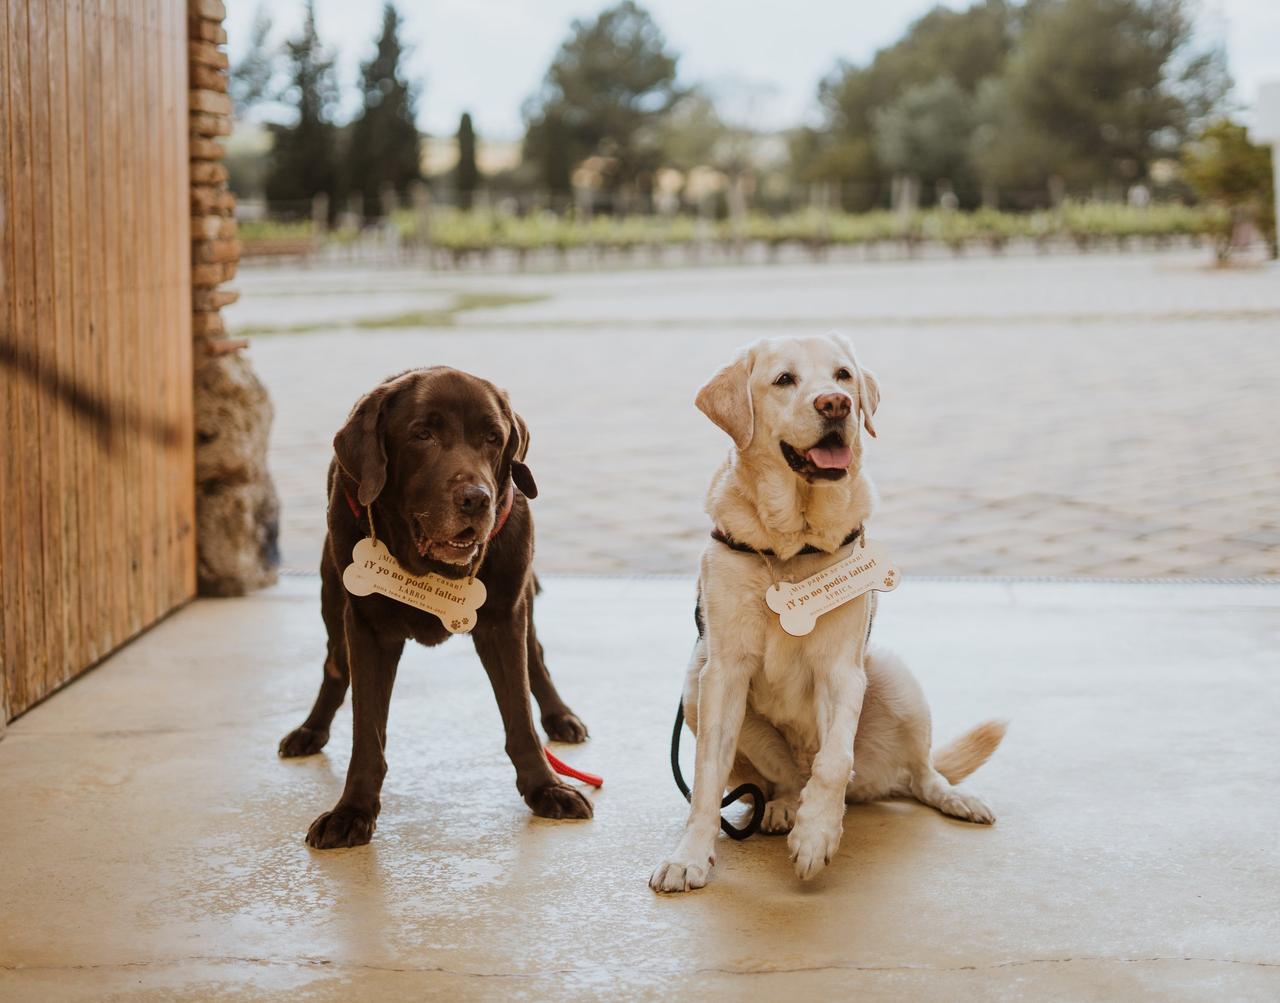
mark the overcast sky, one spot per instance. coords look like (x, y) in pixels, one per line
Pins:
(487, 56)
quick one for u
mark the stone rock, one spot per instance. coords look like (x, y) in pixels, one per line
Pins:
(204, 299)
(206, 322)
(207, 54)
(237, 510)
(206, 78)
(209, 10)
(210, 102)
(211, 274)
(205, 149)
(216, 251)
(204, 124)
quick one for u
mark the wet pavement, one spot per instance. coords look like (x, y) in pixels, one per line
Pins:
(153, 841)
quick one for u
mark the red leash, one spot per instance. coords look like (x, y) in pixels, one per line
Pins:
(565, 770)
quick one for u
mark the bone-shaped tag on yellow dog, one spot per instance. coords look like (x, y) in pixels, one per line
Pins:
(454, 601)
(799, 604)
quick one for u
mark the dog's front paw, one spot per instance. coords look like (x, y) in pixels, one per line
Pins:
(812, 845)
(557, 800)
(302, 742)
(564, 726)
(779, 815)
(967, 806)
(341, 827)
(676, 875)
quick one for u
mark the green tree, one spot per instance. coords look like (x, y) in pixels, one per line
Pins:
(1016, 161)
(607, 90)
(693, 134)
(1095, 92)
(253, 76)
(302, 157)
(966, 47)
(384, 144)
(1227, 170)
(926, 133)
(549, 144)
(467, 176)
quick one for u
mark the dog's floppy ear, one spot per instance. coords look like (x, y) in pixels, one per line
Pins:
(359, 446)
(516, 450)
(520, 473)
(868, 398)
(726, 400)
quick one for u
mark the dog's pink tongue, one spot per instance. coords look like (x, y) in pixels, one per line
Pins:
(830, 458)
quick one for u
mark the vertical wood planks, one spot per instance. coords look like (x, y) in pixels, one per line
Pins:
(22, 482)
(65, 523)
(111, 251)
(83, 368)
(8, 634)
(95, 531)
(176, 171)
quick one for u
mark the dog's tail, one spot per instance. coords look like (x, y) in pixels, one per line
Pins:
(961, 756)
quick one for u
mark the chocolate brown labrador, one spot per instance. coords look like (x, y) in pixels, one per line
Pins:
(437, 456)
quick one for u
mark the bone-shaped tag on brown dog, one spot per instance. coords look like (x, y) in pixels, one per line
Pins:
(454, 601)
(799, 604)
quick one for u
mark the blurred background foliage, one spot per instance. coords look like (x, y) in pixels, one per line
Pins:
(1072, 119)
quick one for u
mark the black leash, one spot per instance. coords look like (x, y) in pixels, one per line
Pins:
(737, 794)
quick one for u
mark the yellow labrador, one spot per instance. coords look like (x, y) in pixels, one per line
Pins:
(820, 720)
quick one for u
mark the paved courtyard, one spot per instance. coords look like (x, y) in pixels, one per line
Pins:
(1099, 416)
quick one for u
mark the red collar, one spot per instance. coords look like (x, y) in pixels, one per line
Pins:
(505, 514)
(498, 523)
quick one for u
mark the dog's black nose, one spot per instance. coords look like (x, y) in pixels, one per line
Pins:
(471, 498)
(833, 405)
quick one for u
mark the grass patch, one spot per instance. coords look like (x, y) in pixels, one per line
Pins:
(485, 301)
(445, 317)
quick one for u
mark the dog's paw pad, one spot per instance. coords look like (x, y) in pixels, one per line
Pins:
(679, 876)
(779, 816)
(340, 828)
(564, 726)
(302, 742)
(559, 800)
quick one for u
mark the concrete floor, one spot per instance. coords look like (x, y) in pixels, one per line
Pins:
(151, 842)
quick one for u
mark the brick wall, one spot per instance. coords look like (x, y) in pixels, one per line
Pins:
(214, 247)
(237, 513)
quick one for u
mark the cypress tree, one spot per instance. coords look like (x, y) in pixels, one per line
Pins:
(468, 175)
(384, 138)
(302, 158)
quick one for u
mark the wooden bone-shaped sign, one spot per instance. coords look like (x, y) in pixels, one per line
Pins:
(799, 604)
(453, 600)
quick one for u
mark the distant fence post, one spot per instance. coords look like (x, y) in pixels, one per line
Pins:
(421, 196)
(353, 218)
(737, 205)
(1057, 191)
(320, 215)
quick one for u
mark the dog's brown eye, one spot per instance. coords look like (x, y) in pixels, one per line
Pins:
(784, 380)
(422, 432)
(493, 438)
(843, 374)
